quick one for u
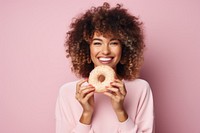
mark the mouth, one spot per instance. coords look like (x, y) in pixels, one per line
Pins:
(105, 60)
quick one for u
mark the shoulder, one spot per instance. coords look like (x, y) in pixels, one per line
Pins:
(68, 89)
(139, 90)
(139, 83)
(138, 86)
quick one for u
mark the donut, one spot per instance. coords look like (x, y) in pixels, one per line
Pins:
(100, 77)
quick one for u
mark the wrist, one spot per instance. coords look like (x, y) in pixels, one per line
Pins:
(122, 115)
(86, 118)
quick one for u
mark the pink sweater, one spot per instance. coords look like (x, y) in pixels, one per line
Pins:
(138, 104)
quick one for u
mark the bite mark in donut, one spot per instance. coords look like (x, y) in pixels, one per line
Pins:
(100, 77)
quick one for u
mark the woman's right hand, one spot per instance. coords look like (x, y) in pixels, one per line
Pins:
(85, 96)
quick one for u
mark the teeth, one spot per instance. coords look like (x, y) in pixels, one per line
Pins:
(105, 59)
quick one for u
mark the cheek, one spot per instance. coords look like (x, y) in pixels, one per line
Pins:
(118, 52)
(93, 52)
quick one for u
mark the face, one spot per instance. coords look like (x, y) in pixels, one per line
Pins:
(105, 51)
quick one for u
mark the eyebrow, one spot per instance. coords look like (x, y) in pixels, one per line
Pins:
(113, 39)
(96, 39)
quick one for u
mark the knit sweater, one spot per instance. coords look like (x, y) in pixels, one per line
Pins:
(138, 105)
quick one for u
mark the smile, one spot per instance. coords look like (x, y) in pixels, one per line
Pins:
(105, 60)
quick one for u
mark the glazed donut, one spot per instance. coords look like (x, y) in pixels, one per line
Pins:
(100, 77)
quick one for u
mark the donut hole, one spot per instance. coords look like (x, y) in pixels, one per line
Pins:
(101, 78)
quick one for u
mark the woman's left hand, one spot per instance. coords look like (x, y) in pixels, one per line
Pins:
(117, 92)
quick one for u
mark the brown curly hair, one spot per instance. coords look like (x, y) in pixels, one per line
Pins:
(106, 20)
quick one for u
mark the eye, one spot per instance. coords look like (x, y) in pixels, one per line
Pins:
(114, 43)
(96, 43)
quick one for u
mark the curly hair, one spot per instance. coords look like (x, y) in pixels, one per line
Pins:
(106, 20)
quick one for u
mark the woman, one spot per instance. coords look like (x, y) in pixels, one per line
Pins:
(113, 37)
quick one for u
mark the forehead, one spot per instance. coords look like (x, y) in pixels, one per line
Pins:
(105, 35)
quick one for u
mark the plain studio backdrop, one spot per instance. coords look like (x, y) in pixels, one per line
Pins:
(33, 64)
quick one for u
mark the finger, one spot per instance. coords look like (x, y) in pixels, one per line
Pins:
(84, 92)
(113, 91)
(118, 81)
(78, 85)
(89, 95)
(116, 84)
(123, 90)
(120, 86)
(87, 89)
(112, 96)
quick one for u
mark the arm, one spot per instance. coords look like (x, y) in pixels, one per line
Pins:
(65, 122)
(144, 121)
(85, 96)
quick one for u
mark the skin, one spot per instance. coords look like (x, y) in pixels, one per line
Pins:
(105, 50)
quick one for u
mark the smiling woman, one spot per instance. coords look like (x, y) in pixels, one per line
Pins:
(105, 36)
(101, 23)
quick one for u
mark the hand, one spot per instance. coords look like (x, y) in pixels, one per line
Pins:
(117, 92)
(85, 96)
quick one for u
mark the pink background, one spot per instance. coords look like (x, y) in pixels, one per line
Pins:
(33, 64)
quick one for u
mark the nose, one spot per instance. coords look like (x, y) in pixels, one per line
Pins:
(106, 49)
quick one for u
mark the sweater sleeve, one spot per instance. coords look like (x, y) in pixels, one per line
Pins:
(65, 122)
(144, 121)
